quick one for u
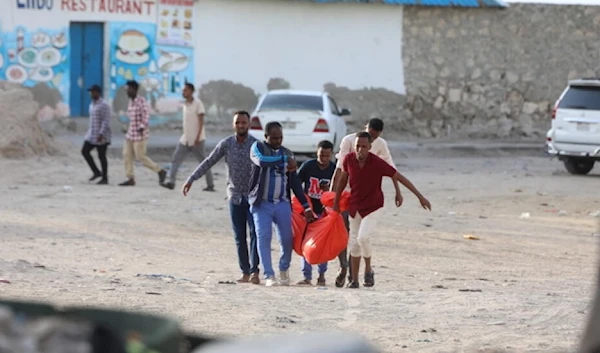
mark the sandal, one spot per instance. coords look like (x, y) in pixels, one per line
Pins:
(353, 285)
(304, 282)
(369, 279)
(340, 280)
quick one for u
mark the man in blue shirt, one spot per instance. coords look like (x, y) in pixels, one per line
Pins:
(315, 175)
(273, 175)
(236, 150)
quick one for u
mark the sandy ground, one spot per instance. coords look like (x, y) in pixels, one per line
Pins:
(533, 277)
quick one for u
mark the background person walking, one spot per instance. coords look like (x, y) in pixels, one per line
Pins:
(193, 138)
(137, 135)
(98, 135)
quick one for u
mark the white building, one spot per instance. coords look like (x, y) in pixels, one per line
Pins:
(61, 47)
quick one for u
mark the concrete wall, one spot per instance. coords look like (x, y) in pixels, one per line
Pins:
(251, 46)
(493, 73)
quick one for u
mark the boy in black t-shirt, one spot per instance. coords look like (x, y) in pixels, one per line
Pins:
(315, 175)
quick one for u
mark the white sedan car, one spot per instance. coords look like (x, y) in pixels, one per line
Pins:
(307, 117)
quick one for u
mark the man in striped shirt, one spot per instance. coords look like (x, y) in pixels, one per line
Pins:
(273, 176)
(98, 135)
(136, 138)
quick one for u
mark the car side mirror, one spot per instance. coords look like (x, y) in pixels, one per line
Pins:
(345, 112)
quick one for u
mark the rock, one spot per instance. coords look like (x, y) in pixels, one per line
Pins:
(512, 78)
(21, 134)
(495, 75)
(454, 95)
(529, 108)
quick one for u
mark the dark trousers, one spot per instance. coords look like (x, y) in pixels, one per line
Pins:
(86, 152)
(240, 217)
(343, 256)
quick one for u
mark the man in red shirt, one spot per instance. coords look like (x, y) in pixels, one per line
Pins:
(365, 171)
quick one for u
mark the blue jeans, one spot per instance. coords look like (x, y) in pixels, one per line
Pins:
(307, 269)
(265, 214)
(240, 216)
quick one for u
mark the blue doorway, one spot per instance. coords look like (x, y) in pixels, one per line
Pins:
(87, 63)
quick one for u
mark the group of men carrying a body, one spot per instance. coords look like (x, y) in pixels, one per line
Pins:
(363, 160)
(262, 175)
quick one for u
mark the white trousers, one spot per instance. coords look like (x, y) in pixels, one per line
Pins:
(360, 233)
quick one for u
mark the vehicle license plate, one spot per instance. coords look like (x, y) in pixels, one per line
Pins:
(583, 127)
(288, 124)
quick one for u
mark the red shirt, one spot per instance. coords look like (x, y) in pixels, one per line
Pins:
(366, 195)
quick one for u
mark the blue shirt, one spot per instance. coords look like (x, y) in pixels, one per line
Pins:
(239, 166)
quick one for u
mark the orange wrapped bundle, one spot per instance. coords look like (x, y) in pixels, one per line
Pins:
(324, 239)
(297, 206)
(299, 225)
(328, 197)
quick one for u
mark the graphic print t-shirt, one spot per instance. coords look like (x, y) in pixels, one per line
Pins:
(312, 176)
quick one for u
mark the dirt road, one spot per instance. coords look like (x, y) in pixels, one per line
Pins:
(529, 278)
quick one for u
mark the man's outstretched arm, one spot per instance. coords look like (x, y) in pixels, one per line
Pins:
(409, 185)
(212, 159)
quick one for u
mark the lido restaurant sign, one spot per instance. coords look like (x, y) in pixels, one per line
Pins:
(94, 10)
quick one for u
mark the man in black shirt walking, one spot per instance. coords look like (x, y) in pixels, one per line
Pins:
(315, 175)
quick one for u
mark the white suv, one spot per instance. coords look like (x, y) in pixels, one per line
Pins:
(575, 134)
(307, 117)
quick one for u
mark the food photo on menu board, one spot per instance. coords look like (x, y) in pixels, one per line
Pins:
(175, 25)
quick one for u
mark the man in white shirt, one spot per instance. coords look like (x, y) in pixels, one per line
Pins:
(379, 148)
(192, 139)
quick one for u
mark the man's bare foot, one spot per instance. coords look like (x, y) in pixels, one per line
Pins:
(304, 282)
(321, 280)
(254, 279)
(244, 279)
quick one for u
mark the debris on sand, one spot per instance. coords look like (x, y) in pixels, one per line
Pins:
(471, 237)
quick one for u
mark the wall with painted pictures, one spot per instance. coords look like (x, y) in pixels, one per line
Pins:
(161, 70)
(104, 42)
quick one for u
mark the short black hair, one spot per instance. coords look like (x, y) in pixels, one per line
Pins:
(190, 86)
(271, 125)
(133, 84)
(376, 124)
(326, 145)
(242, 112)
(364, 134)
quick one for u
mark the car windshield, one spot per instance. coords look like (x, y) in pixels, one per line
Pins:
(292, 102)
(581, 97)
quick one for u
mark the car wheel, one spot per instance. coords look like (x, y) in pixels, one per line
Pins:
(579, 166)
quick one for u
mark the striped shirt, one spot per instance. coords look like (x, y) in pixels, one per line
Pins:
(270, 180)
(275, 186)
(99, 122)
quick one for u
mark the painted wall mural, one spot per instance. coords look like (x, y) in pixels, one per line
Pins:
(38, 59)
(161, 70)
